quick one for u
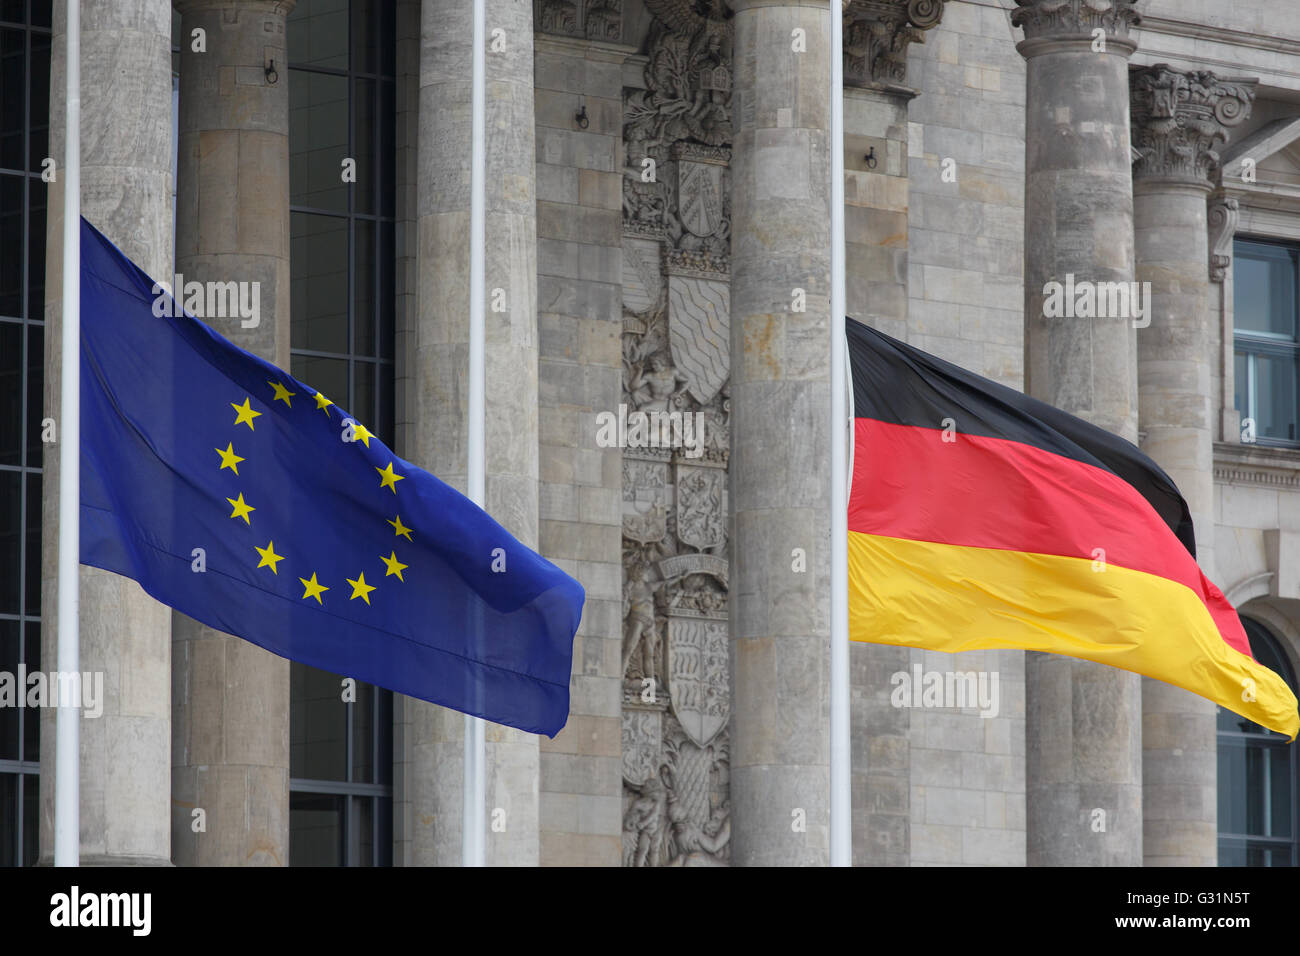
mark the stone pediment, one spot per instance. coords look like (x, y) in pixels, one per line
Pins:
(1273, 150)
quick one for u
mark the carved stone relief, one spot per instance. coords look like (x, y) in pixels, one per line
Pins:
(676, 358)
(593, 19)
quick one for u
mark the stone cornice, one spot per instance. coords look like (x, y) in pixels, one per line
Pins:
(1180, 117)
(1239, 464)
(877, 34)
(1220, 34)
(1073, 21)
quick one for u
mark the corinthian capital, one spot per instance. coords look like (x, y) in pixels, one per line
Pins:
(876, 37)
(1076, 18)
(1180, 118)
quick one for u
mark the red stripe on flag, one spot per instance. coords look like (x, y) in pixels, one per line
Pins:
(994, 493)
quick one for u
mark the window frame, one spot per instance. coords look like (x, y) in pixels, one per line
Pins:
(1263, 739)
(1251, 344)
(380, 356)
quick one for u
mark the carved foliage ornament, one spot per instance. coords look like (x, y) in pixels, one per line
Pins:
(1179, 118)
(1048, 17)
(877, 34)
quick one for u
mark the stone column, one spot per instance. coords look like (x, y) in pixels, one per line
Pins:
(437, 439)
(125, 634)
(1179, 121)
(876, 39)
(230, 698)
(780, 358)
(1083, 731)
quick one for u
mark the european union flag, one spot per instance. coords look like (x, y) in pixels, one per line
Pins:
(324, 550)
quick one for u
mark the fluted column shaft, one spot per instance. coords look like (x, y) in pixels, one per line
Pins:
(780, 366)
(230, 698)
(1083, 732)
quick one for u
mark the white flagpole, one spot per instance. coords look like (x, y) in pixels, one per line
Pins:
(67, 732)
(474, 833)
(841, 794)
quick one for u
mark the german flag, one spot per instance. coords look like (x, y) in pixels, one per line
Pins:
(981, 518)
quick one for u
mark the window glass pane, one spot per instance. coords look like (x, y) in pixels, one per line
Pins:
(315, 829)
(1239, 383)
(10, 540)
(13, 96)
(35, 393)
(31, 805)
(33, 532)
(40, 100)
(384, 424)
(9, 731)
(364, 40)
(11, 393)
(317, 724)
(318, 34)
(363, 401)
(32, 720)
(13, 10)
(386, 307)
(327, 376)
(1233, 785)
(318, 140)
(363, 730)
(36, 249)
(363, 288)
(41, 12)
(363, 831)
(318, 267)
(8, 816)
(1275, 396)
(11, 245)
(387, 147)
(364, 145)
(1263, 280)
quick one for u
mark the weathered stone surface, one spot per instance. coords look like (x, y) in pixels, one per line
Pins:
(126, 635)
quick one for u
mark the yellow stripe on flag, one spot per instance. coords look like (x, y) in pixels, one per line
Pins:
(946, 597)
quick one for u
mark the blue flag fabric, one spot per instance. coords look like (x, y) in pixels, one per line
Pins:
(331, 552)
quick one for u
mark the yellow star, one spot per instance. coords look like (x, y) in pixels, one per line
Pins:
(269, 557)
(394, 566)
(361, 433)
(228, 458)
(314, 588)
(400, 528)
(244, 413)
(241, 509)
(281, 393)
(322, 402)
(360, 589)
(388, 478)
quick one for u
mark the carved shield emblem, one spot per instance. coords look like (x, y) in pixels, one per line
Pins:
(701, 510)
(642, 743)
(699, 331)
(645, 499)
(697, 676)
(699, 197)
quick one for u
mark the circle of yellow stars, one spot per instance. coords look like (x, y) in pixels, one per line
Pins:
(313, 588)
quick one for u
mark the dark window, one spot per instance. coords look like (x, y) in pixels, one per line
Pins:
(1267, 346)
(24, 143)
(1257, 777)
(342, 108)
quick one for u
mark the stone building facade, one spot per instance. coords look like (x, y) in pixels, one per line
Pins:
(658, 210)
